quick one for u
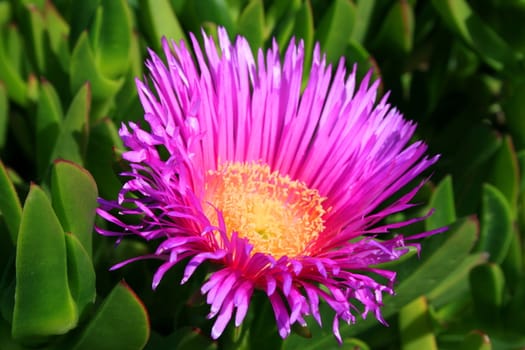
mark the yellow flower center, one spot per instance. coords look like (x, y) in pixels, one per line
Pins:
(278, 215)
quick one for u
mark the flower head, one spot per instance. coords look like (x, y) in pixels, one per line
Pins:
(279, 188)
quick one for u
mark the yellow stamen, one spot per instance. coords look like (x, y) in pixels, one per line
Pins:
(278, 215)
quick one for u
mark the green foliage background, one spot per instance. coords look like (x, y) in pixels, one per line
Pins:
(67, 72)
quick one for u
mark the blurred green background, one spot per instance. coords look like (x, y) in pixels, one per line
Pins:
(67, 72)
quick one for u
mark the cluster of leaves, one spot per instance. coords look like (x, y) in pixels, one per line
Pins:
(67, 72)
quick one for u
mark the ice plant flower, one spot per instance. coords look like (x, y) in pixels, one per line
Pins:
(281, 189)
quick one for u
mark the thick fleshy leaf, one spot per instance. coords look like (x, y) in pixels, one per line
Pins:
(512, 265)
(456, 283)
(514, 108)
(504, 173)
(57, 29)
(10, 206)
(396, 35)
(304, 29)
(363, 17)
(36, 25)
(74, 193)
(281, 20)
(43, 302)
(251, 24)
(459, 17)
(81, 274)
(476, 341)
(16, 87)
(335, 28)
(121, 322)
(442, 201)
(72, 140)
(49, 118)
(113, 38)
(487, 285)
(84, 69)
(4, 114)
(496, 224)
(415, 326)
(160, 21)
(103, 145)
(440, 256)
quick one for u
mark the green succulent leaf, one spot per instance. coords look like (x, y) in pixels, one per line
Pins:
(72, 140)
(505, 173)
(49, 118)
(121, 322)
(496, 224)
(442, 201)
(4, 114)
(396, 35)
(9, 74)
(415, 326)
(160, 21)
(461, 19)
(84, 69)
(251, 24)
(43, 303)
(113, 40)
(487, 285)
(81, 274)
(74, 193)
(10, 206)
(335, 28)
(476, 340)
(441, 254)
(102, 157)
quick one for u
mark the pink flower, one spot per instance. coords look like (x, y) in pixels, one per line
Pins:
(279, 188)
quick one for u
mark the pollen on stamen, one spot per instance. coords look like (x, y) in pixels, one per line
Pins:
(278, 215)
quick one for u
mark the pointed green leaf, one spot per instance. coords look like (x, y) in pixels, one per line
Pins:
(84, 69)
(49, 118)
(512, 265)
(120, 323)
(251, 24)
(112, 48)
(487, 285)
(36, 37)
(5, 13)
(415, 326)
(459, 17)
(496, 224)
(10, 206)
(504, 173)
(72, 140)
(81, 274)
(101, 158)
(363, 18)
(160, 21)
(304, 29)
(16, 87)
(69, 183)
(4, 114)
(43, 302)
(396, 35)
(335, 29)
(283, 30)
(442, 201)
(476, 340)
(456, 283)
(440, 255)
